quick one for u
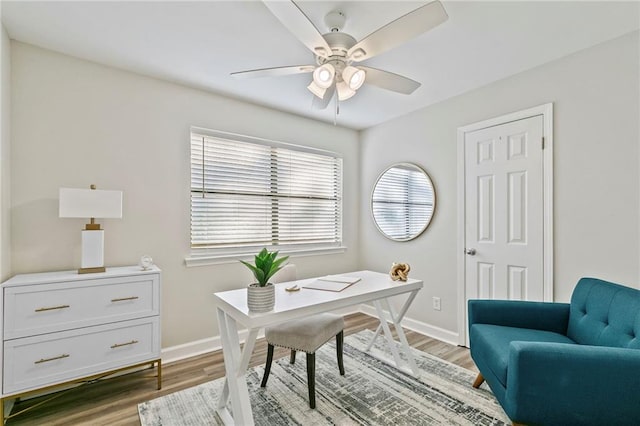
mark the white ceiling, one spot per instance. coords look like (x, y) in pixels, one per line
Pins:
(200, 43)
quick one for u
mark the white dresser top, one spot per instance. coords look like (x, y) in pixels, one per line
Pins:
(64, 276)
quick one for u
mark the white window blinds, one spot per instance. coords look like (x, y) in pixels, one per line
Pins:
(402, 202)
(248, 194)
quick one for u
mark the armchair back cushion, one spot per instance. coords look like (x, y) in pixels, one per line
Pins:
(604, 314)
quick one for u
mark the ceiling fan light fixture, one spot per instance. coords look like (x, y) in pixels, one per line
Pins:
(316, 90)
(354, 77)
(323, 75)
(344, 91)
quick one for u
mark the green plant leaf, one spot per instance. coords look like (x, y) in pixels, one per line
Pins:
(253, 269)
(266, 264)
(276, 266)
(259, 260)
(260, 276)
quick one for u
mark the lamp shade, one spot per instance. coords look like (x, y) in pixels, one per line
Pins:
(354, 77)
(316, 90)
(344, 91)
(323, 75)
(88, 203)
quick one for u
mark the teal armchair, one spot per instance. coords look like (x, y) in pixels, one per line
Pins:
(562, 364)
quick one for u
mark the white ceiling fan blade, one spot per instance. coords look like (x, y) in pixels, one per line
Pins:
(274, 72)
(399, 31)
(299, 24)
(322, 103)
(390, 81)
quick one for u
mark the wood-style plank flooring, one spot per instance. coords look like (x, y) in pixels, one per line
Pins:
(114, 401)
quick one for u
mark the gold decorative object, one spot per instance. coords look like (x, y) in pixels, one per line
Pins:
(399, 271)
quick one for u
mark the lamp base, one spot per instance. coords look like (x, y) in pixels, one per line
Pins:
(92, 270)
(92, 252)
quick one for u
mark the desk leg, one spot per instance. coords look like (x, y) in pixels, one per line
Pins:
(403, 312)
(397, 320)
(387, 332)
(247, 351)
(404, 344)
(235, 380)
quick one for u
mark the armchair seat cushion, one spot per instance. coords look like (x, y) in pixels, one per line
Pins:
(491, 343)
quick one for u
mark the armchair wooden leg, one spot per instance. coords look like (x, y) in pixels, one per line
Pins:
(339, 344)
(267, 367)
(292, 358)
(311, 379)
(479, 380)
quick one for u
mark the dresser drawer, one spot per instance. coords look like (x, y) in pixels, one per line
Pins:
(45, 308)
(39, 361)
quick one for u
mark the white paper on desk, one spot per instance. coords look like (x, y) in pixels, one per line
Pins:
(332, 283)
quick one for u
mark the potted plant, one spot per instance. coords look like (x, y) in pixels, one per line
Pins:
(261, 294)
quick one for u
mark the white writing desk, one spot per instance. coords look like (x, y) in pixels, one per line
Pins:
(232, 309)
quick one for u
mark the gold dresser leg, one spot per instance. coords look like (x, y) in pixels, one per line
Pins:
(159, 374)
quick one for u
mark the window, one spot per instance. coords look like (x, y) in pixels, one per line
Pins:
(248, 193)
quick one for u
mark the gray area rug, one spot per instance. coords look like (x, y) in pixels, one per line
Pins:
(371, 393)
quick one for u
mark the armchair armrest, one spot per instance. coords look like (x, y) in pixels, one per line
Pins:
(557, 383)
(513, 313)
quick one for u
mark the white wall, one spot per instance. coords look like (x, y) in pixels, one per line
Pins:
(596, 178)
(5, 155)
(76, 123)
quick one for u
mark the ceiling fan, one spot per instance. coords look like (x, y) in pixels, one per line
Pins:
(336, 52)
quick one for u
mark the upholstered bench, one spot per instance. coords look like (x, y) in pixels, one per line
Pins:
(306, 335)
(558, 363)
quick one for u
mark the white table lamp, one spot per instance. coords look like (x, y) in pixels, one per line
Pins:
(91, 203)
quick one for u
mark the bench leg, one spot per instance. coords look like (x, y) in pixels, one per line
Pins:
(311, 379)
(479, 380)
(339, 344)
(267, 367)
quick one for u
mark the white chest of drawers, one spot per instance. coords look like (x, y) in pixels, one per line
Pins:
(61, 327)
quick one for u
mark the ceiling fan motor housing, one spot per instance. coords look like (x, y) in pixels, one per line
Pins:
(340, 44)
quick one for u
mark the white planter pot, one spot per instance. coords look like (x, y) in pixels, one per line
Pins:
(261, 299)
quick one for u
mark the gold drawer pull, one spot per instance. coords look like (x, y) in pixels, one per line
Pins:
(117, 345)
(52, 308)
(51, 359)
(122, 299)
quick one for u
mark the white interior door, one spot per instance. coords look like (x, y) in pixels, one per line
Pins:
(504, 211)
(505, 214)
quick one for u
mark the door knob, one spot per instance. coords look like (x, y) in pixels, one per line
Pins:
(470, 251)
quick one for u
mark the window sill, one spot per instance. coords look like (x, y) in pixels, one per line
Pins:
(218, 259)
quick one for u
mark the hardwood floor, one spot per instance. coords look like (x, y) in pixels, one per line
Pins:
(114, 401)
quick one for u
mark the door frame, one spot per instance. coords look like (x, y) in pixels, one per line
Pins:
(546, 111)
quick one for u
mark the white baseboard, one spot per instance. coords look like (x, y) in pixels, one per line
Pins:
(431, 331)
(418, 326)
(199, 347)
(191, 349)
